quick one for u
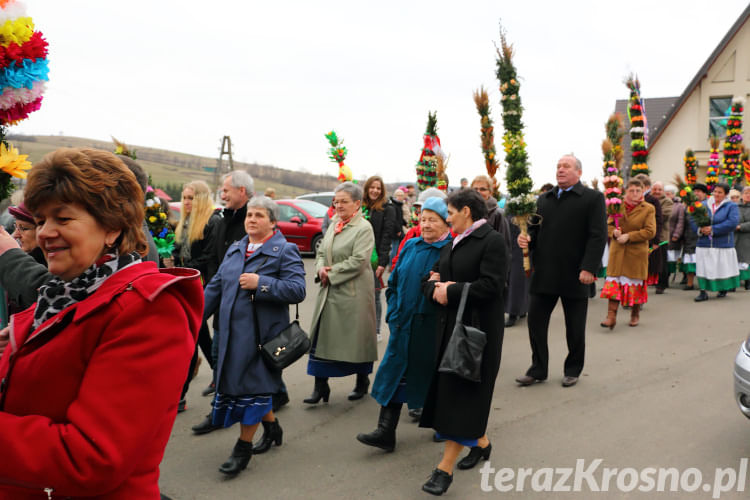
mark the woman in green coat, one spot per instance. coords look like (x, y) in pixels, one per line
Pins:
(343, 328)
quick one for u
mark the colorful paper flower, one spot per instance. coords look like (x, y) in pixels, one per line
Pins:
(12, 163)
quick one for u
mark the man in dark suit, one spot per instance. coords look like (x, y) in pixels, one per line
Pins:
(566, 251)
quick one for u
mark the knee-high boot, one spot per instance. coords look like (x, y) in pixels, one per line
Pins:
(635, 314)
(384, 437)
(611, 314)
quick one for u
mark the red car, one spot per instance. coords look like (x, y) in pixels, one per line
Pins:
(300, 221)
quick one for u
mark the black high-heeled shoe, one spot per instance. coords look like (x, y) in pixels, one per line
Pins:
(475, 454)
(321, 391)
(272, 433)
(238, 460)
(360, 388)
(438, 483)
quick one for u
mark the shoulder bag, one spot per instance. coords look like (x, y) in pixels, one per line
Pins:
(463, 354)
(287, 347)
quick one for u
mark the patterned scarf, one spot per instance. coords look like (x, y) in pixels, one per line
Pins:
(340, 225)
(468, 231)
(58, 294)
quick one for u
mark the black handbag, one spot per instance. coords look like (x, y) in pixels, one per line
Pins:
(287, 347)
(463, 354)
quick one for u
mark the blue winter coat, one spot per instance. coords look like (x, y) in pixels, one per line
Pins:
(241, 371)
(411, 320)
(724, 221)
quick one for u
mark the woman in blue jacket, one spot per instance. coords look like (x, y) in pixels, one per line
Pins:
(715, 257)
(257, 280)
(406, 370)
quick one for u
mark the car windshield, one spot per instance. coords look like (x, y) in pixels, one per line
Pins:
(312, 207)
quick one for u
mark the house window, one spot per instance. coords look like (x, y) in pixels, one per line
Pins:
(718, 109)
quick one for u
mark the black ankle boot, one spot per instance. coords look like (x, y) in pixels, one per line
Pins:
(384, 437)
(512, 318)
(360, 388)
(272, 433)
(472, 459)
(206, 426)
(438, 482)
(238, 460)
(701, 296)
(321, 391)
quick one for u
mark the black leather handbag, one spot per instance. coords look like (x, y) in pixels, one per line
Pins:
(463, 354)
(287, 347)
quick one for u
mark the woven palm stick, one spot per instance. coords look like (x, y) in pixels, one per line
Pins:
(522, 221)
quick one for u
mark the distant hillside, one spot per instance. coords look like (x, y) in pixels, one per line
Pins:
(170, 167)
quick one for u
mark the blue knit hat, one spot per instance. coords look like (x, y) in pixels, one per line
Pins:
(437, 205)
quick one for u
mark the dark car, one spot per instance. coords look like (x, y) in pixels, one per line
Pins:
(300, 221)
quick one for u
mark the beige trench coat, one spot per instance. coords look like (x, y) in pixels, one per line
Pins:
(344, 318)
(631, 259)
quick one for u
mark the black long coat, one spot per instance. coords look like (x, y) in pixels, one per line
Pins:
(454, 406)
(570, 238)
(202, 251)
(655, 257)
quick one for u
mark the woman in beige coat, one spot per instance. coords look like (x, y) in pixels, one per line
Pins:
(343, 327)
(627, 269)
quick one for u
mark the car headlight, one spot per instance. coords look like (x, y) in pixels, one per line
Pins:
(747, 345)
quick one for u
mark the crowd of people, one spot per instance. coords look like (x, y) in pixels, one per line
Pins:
(84, 283)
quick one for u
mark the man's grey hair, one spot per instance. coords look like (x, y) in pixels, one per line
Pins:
(240, 178)
(271, 207)
(352, 189)
(579, 166)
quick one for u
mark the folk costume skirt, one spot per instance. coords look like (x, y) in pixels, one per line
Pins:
(672, 257)
(627, 291)
(717, 269)
(688, 263)
(247, 410)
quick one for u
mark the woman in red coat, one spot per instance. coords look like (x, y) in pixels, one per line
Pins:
(91, 374)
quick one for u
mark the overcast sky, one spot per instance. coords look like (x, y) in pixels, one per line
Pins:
(277, 76)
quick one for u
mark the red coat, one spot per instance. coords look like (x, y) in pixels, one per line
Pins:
(86, 409)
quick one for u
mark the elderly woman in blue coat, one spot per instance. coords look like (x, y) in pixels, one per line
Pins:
(406, 370)
(715, 256)
(257, 280)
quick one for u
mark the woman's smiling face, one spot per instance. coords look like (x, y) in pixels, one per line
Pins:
(71, 238)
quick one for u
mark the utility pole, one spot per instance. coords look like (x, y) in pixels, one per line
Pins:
(226, 149)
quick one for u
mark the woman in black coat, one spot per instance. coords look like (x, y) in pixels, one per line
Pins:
(195, 239)
(382, 217)
(456, 408)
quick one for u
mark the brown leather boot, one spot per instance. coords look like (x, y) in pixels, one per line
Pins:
(611, 314)
(635, 314)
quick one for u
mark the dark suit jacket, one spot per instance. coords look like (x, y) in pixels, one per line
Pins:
(229, 229)
(570, 238)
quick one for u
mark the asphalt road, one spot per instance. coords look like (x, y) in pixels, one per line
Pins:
(659, 395)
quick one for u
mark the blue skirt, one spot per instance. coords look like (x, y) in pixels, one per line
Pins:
(319, 367)
(466, 442)
(326, 368)
(400, 396)
(247, 410)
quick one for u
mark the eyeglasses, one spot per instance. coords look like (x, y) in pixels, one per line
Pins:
(22, 229)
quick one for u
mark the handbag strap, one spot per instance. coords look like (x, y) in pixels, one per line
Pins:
(462, 304)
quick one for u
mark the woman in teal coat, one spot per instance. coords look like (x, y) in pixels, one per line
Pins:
(406, 370)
